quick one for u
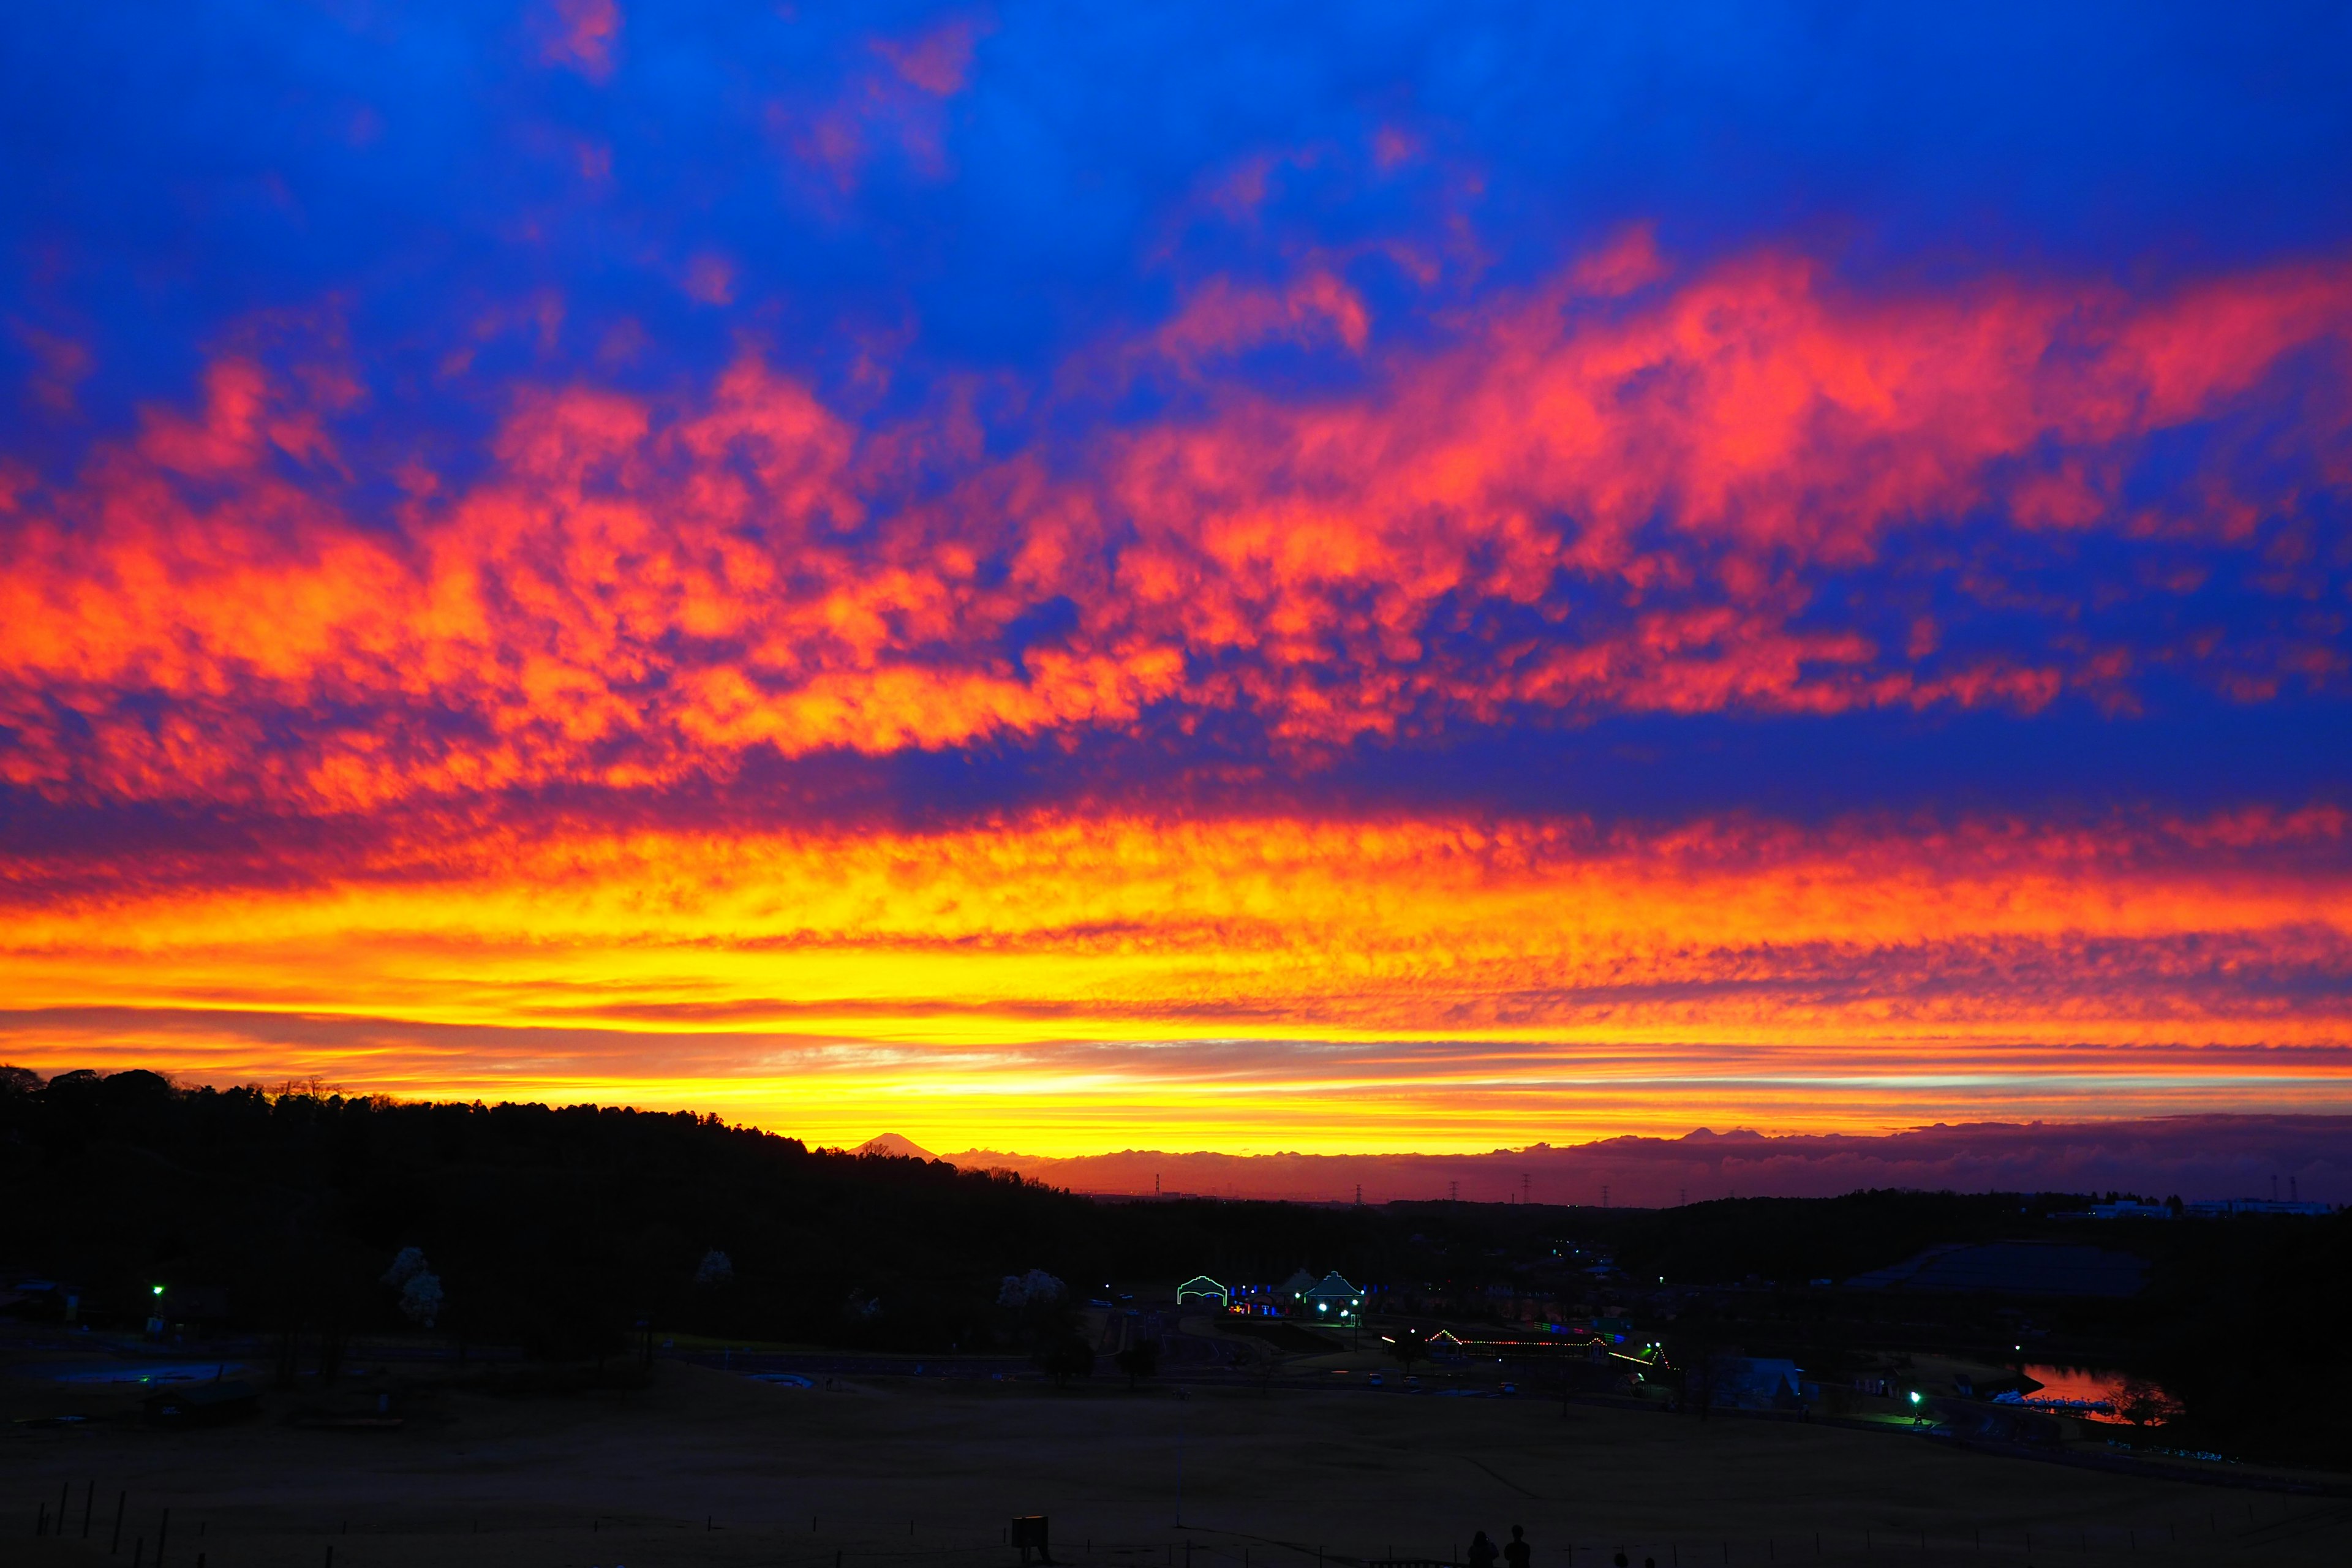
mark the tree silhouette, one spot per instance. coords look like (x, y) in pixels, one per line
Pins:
(1139, 1361)
(1067, 1357)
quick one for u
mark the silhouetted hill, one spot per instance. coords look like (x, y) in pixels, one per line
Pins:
(558, 1228)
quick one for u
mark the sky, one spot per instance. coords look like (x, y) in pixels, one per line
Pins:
(1281, 577)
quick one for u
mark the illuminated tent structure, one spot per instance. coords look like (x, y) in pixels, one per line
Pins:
(1332, 1300)
(1202, 1288)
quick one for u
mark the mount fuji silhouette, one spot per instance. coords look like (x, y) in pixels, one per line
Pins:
(892, 1144)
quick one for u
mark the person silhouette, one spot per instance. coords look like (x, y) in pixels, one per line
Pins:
(1621, 1559)
(1482, 1552)
(1517, 1552)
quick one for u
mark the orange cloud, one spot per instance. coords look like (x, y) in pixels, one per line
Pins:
(1277, 981)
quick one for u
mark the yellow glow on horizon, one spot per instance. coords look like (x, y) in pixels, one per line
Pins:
(1062, 985)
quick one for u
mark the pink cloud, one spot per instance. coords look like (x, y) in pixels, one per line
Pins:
(896, 108)
(1629, 261)
(710, 278)
(937, 61)
(1222, 318)
(62, 364)
(581, 36)
(1394, 146)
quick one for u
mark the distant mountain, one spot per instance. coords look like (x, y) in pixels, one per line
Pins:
(2193, 1156)
(892, 1144)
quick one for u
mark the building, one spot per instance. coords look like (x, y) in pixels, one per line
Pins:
(2219, 1208)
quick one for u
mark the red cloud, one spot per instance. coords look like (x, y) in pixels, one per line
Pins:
(1577, 505)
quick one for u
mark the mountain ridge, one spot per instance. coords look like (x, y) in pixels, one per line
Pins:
(2196, 1156)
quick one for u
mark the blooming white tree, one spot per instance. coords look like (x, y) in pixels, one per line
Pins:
(420, 1298)
(1021, 1289)
(407, 1265)
(716, 1269)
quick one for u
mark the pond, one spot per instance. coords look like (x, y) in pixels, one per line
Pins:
(2096, 1393)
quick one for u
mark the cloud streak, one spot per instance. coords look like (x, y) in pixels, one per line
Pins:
(1423, 980)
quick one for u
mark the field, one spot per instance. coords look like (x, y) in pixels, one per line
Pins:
(703, 1466)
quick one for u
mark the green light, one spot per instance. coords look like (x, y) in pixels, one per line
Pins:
(158, 1289)
(1915, 1397)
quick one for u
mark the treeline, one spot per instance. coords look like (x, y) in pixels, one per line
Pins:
(560, 1229)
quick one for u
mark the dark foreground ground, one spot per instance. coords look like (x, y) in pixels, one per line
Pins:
(701, 1466)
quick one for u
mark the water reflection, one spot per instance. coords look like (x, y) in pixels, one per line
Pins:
(2096, 1393)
